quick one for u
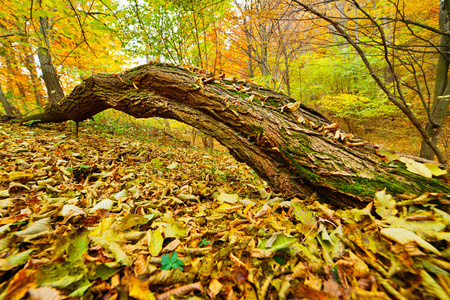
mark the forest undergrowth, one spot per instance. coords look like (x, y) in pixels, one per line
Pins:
(108, 216)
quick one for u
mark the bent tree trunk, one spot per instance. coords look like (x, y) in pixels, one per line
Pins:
(254, 124)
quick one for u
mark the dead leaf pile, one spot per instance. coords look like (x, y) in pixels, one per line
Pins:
(95, 219)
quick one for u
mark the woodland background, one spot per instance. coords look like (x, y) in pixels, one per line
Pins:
(273, 42)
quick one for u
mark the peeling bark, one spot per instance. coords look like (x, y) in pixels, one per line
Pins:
(292, 157)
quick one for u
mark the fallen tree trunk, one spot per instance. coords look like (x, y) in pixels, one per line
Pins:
(286, 143)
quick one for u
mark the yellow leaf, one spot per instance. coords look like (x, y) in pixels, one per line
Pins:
(385, 205)
(313, 282)
(389, 155)
(435, 170)
(416, 167)
(228, 198)
(104, 225)
(293, 106)
(16, 176)
(403, 236)
(4, 265)
(215, 286)
(172, 165)
(432, 287)
(360, 269)
(227, 208)
(156, 242)
(139, 290)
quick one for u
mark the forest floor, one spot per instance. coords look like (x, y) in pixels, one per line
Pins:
(107, 216)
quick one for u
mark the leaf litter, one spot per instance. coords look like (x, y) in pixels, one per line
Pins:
(107, 217)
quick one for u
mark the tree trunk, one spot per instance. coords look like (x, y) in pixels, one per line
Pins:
(248, 34)
(51, 80)
(49, 75)
(208, 142)
(256, 126)
(193, 136)
(441, 99)
(9, 108)
(13, 75)
(31, 67)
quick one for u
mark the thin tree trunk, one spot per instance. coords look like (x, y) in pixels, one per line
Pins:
(249, 34)
(9, 108)
(441, 97)
(193, 136)
(31, 67)
(291, 154)
(197, 38)
(13, 81)
(49, 74)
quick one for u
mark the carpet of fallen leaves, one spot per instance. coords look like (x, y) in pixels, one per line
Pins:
(109, 217)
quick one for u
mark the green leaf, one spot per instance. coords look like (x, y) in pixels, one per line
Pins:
(277, 242)
(43, 13)
(81, 290)
(104, 272)
(171, 261)
(78, 247)
(279, 260)
(204, 242)
(19, 258)
(60, 275)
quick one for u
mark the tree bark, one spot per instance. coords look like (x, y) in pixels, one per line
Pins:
(282, 145)
(51, 80)
(54, 90)
(9, 108)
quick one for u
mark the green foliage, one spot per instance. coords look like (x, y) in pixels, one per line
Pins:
(204, 242)
(171, 262)
(337, 71)
(356, 107)
(337, 82)
(173, 30)
(157, 164)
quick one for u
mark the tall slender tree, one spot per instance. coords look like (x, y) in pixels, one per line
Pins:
(439, 109)
(54, 89)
